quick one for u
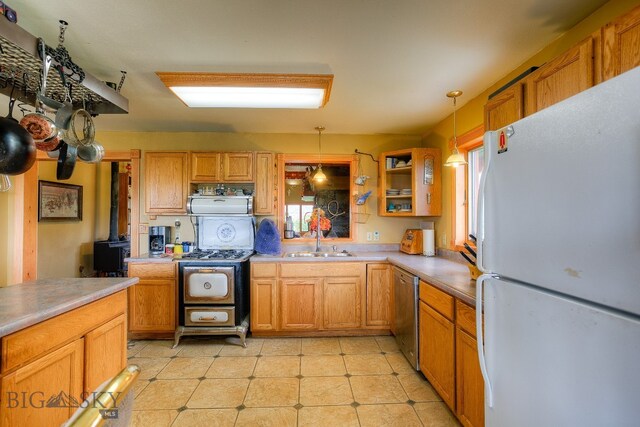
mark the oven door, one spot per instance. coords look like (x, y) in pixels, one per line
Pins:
(213, 285)
(209, 316)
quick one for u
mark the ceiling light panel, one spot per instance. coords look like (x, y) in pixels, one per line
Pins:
(219, 90)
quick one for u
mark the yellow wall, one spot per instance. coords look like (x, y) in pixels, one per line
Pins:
(65, 246)
(391, 229)
(471, 114)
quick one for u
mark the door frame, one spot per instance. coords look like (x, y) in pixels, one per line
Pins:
(25, 262)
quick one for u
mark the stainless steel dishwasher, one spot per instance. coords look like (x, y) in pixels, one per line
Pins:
(406, 306)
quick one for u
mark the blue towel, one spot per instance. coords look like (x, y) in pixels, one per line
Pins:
(268, 238)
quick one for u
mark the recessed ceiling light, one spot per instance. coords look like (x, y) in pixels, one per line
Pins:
(220, 90)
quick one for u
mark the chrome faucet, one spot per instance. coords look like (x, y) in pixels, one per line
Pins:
(318, 231)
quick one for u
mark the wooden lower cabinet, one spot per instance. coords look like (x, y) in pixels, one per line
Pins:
(152, 301)
(54, 378)
(300, 303)
(101, 361)
(379, 295)
(449, 355)
(437, 352)
(318, 298)
(49, 367)
(341, 303)
(469, 382)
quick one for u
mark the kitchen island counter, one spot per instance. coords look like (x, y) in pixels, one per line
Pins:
(28, 303)
(449, 276)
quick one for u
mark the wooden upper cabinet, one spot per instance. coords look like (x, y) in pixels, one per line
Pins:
(265, 197)
(237, 167)
(505, 108)
(165, 182)
(421, 175)
(621, 40)
(205, 166)
(562, 77)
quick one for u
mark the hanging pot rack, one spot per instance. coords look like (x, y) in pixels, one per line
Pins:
(20, 64)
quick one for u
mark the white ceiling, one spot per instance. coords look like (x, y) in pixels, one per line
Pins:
(393, 60)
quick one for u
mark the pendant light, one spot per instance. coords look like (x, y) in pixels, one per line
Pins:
(455, 159)
(319, 177)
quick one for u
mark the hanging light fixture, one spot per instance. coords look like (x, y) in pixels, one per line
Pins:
(319, 177)
(455, 159)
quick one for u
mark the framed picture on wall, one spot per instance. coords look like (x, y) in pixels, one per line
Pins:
(59, 202)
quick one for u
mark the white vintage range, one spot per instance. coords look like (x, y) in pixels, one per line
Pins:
(214, 278)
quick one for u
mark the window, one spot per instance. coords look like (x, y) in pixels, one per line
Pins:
(466, 182)
(475, 157)
(299, 194)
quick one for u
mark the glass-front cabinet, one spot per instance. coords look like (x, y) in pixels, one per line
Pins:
(410, 182)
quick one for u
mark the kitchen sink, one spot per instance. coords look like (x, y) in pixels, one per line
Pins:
(307, 254)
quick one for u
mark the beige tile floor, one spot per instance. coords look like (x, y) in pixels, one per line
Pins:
(281, 382)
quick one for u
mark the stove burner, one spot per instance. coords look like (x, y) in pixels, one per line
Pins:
(217, 254)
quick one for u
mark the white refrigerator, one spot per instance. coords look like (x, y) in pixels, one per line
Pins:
(559, 243)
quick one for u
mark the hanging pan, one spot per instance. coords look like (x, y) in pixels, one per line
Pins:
(66, 161)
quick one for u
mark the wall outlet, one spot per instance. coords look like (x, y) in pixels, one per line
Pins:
(376, 235)
(369, 236)
(443, 240)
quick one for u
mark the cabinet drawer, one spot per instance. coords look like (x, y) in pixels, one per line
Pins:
(152, 270)
(322, 269)
(437, 299)
(466, 318)
(263, 270)
(30, 343)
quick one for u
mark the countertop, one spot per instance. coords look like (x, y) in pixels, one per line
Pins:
(449, 276)
(29, 303)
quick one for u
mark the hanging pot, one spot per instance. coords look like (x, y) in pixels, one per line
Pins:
(17, 150)
(39, 126)
(81, 129)
(91, 153)
(66, 161)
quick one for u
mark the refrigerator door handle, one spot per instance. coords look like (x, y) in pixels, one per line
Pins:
(480, 336)
(488, 136)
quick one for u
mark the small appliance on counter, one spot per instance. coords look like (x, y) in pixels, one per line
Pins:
(411, 241)
(159, 236)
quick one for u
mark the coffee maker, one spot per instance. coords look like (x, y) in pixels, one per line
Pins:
(158, 237)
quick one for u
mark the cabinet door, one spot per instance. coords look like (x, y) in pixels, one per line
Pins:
(165, 182)
(621, 44)
(54, 379)
(205, 167)
(152, 301)
(426, 175)
(105, 352)
(265, 198)
(379, 295)
(469, 382)
(263, 304)
(341, 302)
(299, 303)
(504, 108)
(237, 167)
(437, 357)
(564, 76)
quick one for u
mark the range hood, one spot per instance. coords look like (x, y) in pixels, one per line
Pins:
(220, 205)
(20, 51)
